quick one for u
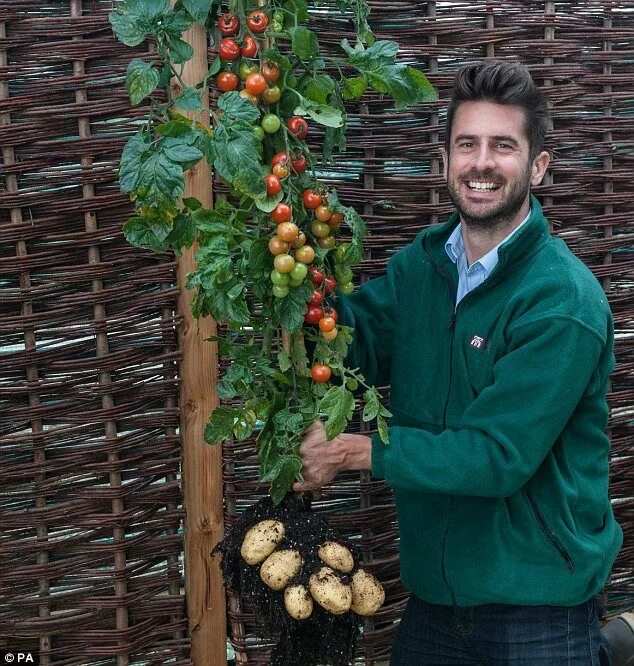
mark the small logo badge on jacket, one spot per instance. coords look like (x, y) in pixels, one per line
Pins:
(477, 342)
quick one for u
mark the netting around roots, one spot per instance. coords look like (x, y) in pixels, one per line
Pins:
(322, 638)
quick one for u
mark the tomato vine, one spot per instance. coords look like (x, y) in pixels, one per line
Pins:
(271, 255)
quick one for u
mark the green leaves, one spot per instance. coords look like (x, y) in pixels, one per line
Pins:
(318, 88)
(134, 19)
(198, 9)
(189, 100)
(140, 81)
(304, 43)
(320, 113)
(404, 84)
(338, 404)
(353, 88)
(180, 51)
(131, 161)
(235, 107)
(290, 310)
(160, 178)
(354, 253)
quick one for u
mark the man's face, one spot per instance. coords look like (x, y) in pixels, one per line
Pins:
(488, 169)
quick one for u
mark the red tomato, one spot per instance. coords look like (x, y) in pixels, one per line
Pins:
(279, 158)
(331, 312)
(229, 49)
(298, 126)
(272, 182)
(311, 199)
(227, 81)
(257, 21)
(326, 324)
(316, 299)
(228, 24)
(298, 163)
(320, 373)
(249, 48)
(316, 276)
(255, 83)
(281, 213)
(280, 171)
(271, 72)
(330, 284)
(313, 315)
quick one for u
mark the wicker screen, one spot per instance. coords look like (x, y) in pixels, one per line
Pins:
(580, 53)
(90, 502)
(89, 453)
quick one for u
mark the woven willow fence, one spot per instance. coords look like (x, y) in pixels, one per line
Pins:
(90, 501)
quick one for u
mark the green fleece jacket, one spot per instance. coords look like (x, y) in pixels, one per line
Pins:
(498, 456)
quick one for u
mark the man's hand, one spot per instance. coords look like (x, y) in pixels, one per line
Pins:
(323, 460)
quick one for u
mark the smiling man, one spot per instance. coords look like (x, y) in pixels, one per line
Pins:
(497, 344)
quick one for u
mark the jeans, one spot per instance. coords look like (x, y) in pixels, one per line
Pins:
(499, 634)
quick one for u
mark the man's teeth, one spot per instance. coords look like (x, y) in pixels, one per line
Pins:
(474, 185)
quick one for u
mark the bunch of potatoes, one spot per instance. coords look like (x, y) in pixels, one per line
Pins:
(364, 595)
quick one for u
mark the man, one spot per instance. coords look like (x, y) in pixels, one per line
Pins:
(497, 344)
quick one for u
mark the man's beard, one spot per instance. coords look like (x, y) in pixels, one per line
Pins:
(495, 215)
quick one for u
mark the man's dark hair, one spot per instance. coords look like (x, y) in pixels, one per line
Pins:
(502, 82)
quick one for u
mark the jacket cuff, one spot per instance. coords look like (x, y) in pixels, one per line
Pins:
(378, 457)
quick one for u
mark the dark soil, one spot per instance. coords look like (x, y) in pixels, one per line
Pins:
(322, 638)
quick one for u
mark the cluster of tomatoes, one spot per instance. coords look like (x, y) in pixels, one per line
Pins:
(290, 247)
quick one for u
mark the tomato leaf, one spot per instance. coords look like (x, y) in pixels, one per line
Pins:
(198, 9)
(338, 404)
(180, 51)
(299, 8)
(354, 87)
(354, 252)
(404, 84)
(304, 43)
(131, 161)
(290, 310)
(160, 178)
(383, 430)
(335, 137)
(299, 357)
(284, 361)
(189, 100)
(235, 156)
(178, 151)
(260, 258)
(286, 472)
(220, 425)
(183, 233)
(320, 113)
(318, 88)
(145, 233)
(235, 107)
(141, 80)
(268, 204)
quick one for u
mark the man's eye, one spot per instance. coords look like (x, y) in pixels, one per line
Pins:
(466, 144)
(504, 146)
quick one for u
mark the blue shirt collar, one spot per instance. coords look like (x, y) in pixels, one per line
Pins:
(455, 247)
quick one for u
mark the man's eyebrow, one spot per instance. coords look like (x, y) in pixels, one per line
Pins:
(496, 137)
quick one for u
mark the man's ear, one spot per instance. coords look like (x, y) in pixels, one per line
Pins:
(540, 164)
(445, 165)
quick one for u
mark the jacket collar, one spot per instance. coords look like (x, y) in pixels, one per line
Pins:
(520, 245)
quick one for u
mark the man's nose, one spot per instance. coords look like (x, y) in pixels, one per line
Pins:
(484, 159)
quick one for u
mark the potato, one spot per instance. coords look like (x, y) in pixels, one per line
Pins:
(336, 556)
(261, 540)
(298, 602)
(329, 592)
(280, 567)
(368, 594)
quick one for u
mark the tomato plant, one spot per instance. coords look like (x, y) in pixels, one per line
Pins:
(275, 255)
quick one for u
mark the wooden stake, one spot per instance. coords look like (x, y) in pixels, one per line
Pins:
(202, 463)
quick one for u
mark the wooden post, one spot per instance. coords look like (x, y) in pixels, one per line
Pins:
(202, 463)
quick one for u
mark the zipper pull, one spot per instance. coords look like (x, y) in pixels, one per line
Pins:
(451, 323)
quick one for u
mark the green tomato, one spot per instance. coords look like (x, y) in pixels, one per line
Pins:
(346, 288)
(259, 132)
(299, 272)
(279, 292)
(340, 250)
(280, 279)
(352, 384)
(246, 68)
(270, 123)
(295, 283)
(344, 274)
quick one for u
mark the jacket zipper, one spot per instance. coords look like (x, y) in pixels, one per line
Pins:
(548, 532)
(451, 326)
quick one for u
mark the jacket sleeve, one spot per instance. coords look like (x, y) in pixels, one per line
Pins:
(371, 311)
(507, 431)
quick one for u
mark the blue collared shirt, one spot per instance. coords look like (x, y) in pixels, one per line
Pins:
(469, 277)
